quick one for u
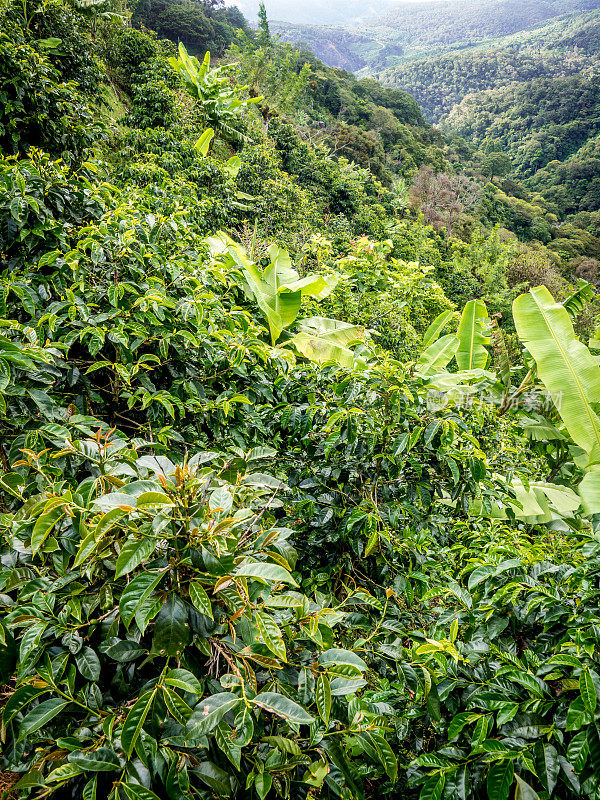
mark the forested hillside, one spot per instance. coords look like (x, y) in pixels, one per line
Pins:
(566, 48)
(420, 29)
(299, 433)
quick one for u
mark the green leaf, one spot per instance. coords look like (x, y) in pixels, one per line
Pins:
(125, 651)
(438, 355)
(283, 707)
(459, 721)
(270, 634)
(524, 790)
(136, 593)
(588, 691)
(43, 527)
(108, 521)
(88, 664)
(41, 715)
(325, 340)
(334, 657)
(223, 738)
(134, 551)
(385, 754)
(288, 746)
(593, 742)
(499, 779)
(589, 491)
(210, 713)
(578, 750)
(323, 697)
(480, 574)
(34, 777)
(90, 789)
(265, 573)
(154, 500)
(203, 142)
(135, 720)
(437, 326)
(433, 789)
(171, 629)
(183, 679)
(262, 784)
(102, 760)
(577, 301)
(19, 699)
(200, 599)
(547, 765)
(565, 365)
(86, 548)
(471, 353)
(214, 777)
(372, 543)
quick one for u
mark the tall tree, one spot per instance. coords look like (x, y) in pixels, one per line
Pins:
(264, 33)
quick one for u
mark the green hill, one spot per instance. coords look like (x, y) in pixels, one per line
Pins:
(567, 47)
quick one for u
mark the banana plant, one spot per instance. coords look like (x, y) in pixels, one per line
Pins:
(324, 340)
(278, 289)
(219, 101)
(472, 336)
(570, 373)
(468, 346)
(232, 166)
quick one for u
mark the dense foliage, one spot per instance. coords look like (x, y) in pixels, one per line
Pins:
(299, 492)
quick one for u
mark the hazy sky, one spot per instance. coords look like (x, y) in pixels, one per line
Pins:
(320, 12)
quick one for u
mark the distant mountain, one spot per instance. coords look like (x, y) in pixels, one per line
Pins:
(419, 29)
(317, 12)
(570, 46)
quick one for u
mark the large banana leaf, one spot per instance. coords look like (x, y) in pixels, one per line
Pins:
(437, 326)
(589, 491)
(438, 355)
(540, 502)
(324, 340)
(578, 300)
(203, 143)
(564, 364)
(471, 353)
(278, 289)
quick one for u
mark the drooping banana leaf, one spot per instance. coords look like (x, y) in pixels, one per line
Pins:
(594, 341)
(589, 491)
(541, 430)
(463, 384)
(438, 355)
(472, 336)
(539, 503)
(577, 301)
(437, 326)
(564, 364)
(278, 289)
(324, 340)
(203, 143)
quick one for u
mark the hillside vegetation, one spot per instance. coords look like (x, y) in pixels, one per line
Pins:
(418, 30)
(566, 48)
(299, 434)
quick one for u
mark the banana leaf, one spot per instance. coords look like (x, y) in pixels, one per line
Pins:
(564, 364)
(471, 353)
(438, 355)
(327, 340)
